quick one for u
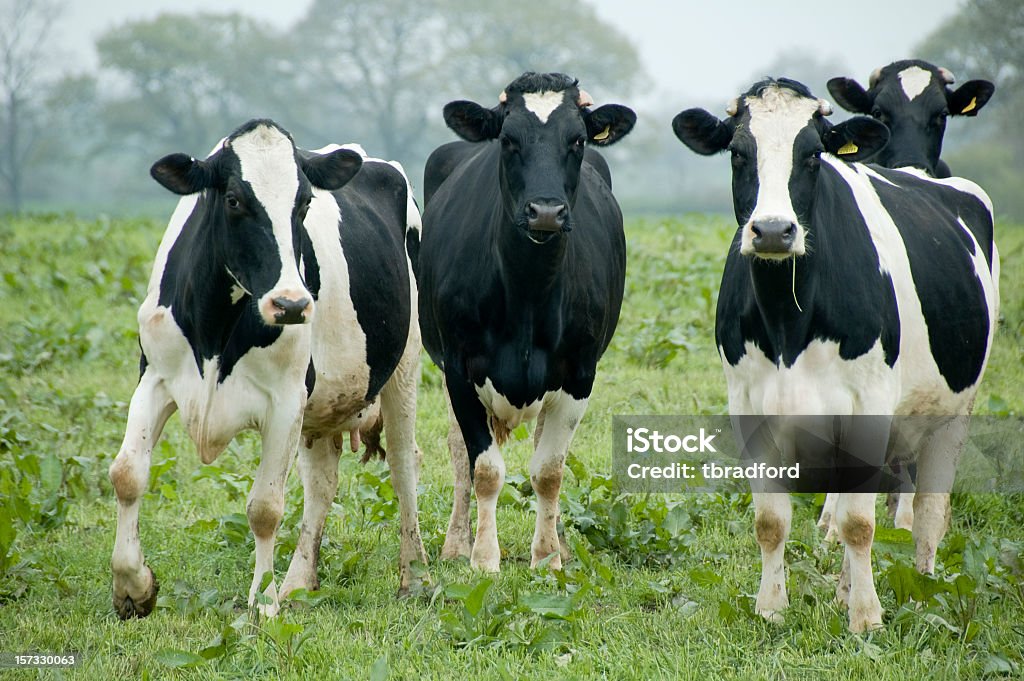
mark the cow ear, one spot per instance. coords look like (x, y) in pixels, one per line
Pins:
(968, 99)
(701, 131)
(856, 139)
(334, 170)
(472, 122)
(849, 94)
(182, 174)
(608, 124)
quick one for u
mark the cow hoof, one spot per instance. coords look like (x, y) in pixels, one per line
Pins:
(866, 617)
(128, 608)
(554, 564)
(454, 549)
(773, 616)
(485, 563)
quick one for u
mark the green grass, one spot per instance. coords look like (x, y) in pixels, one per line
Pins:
(660, 588)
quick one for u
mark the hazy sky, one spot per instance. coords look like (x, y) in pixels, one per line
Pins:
(692, 50)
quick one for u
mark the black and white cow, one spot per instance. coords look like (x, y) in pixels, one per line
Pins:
(913, 98)
(848, 290)
(522, 268)
(281, 300)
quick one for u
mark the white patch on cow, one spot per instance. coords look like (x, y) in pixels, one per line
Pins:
(339, 349)
(503, 410)
(543, 104)
(267, 160)
(914, 81)
(776, 117)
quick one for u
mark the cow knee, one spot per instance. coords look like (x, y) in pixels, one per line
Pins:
(487, 479)
(264, 515)
(769, 529)
(124, 476)
(547, 481)
(857, 531)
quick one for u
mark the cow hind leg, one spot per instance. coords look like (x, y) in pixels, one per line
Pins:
(265, 505)
(773, 514)
(318, 468)
(827, 520)
(936, 470)
(458, 540)
(134, 585)
(856, 520)
(398, 406)
(561, 416)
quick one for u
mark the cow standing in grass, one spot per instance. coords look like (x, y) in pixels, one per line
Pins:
(521, 273)
(848, 290)
(281, 300)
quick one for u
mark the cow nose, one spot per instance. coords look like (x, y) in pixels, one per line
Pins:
(546, 217)
(290, 311)
(773, 235)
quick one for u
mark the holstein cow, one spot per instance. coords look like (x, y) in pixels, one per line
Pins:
(522, 268)
(913, 98)
(848, 290)
(281, 299)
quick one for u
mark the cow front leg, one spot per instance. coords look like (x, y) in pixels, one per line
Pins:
(827, 521)
(398, 405)
(265, 505)
(561, 415)
(856, 520)
(318, 468)
(134, 585)
(458, 540)
(773, 515)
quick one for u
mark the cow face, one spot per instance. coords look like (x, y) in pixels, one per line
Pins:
(543, 122)
(256, 191)
(913, 99)
(776, 133)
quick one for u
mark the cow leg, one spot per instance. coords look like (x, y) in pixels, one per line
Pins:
(856, 520)
(458, 540)
(265, 505)
(562, 414)
(936, 470)
(135, 587)
(903, 518)
(398, 405)
(773, 514)
(827, 521)
(318, 468)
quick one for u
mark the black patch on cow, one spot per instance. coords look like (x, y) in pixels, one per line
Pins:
(197, 288)
(143, 362)
(310, 378)
(372, 232)
(841, 301)
(952, 297)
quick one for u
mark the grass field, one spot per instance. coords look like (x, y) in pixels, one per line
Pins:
(660, 587)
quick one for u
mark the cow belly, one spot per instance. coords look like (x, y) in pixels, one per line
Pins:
(818, 382)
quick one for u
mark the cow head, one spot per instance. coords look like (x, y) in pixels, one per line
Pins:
(543, 122)
(256, 190)
(777, 132)
(913, 98)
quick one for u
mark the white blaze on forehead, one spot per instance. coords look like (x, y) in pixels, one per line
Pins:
(776, 117)
(542, 104)
(267, 159)
(914, 80)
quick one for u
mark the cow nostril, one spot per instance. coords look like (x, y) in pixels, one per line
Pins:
(531, 211)
(790, 231)
(756, 230)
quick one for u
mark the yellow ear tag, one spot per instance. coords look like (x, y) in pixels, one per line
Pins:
(972, 106)
(848, 148)
(603, 135)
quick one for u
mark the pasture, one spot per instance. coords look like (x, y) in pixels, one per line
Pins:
(659, 586)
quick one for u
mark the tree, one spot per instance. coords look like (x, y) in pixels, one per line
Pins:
(384, 68)
(25, 27)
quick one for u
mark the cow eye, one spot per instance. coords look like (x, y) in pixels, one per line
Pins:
(579, 142)
(814, 160)
(738, 158)
(232, 201)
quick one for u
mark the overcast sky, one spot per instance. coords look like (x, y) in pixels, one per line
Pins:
(691, 50)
